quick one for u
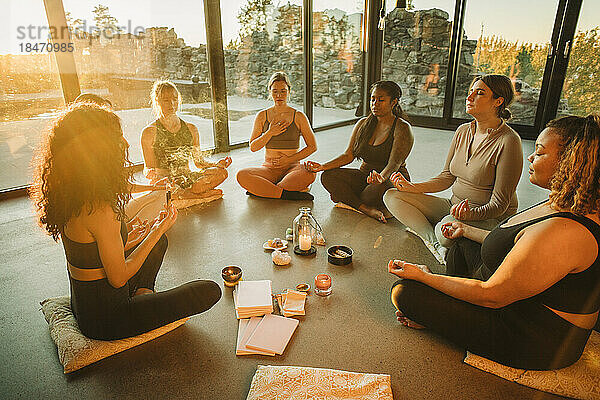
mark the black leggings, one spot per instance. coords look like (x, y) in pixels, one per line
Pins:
(525, 334)
(107, 313)
(464, 259)
(349, 186)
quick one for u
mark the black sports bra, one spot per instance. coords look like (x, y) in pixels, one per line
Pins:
(577, 293)
(86, 255)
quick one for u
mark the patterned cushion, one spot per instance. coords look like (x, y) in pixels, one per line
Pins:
(304, 383)
(75, 351)
(580, 380)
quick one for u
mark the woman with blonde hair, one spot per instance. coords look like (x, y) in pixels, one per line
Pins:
(278, 129)
(169, 142)
(532, 296)
(81, 186)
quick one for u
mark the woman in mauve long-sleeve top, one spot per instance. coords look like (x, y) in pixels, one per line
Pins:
(483, 167)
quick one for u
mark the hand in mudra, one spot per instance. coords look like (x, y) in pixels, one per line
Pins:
(313, 166)
(224, 162)
(403, 184)
(462, 210)
(406, 270)
(453, 230)
(375, 177)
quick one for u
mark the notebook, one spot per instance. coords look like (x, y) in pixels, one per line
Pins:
(272, 334)
(245, 328)
(253, 298)
(254, 294)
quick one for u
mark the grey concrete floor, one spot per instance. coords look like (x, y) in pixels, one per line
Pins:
(354, 329)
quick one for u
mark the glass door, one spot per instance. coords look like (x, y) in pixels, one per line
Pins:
(260, 37)
(580, 90)
(121, 49)
(337, 60)
(415, 53)
(512, 38)
(30, 91)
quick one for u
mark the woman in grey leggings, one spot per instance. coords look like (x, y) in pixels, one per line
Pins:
(483, 168)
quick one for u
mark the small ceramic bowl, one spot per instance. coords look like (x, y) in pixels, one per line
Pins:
(339, 255)
(303, 287)
(231, 275)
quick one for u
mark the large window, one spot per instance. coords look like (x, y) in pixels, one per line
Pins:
(509, 38)
(30, 93)
(337, 60)
(415, 53)
(581, 91)
(260, 37)
(130, 49)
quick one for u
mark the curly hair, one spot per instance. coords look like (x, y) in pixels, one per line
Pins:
(82, 162)
(575, 186)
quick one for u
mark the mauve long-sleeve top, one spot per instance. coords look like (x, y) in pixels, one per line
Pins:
(487, 176)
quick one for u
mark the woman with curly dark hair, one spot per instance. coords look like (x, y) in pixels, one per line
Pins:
(80, 189)
(532, 296)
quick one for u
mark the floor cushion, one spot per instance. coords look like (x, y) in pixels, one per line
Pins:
(580, 380)
(75, 351)
(304, 383)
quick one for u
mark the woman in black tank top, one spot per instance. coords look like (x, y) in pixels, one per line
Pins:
(382, 141)
(80, 190)
(531, 296)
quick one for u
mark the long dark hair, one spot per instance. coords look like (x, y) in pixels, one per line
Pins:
(368, 127)
(81, 163)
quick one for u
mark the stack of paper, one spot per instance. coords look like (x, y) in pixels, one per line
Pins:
(245, 329)
(291, 303)
(253, 298)
(268, 335)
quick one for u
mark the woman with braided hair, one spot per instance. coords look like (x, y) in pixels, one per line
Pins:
(382, 140)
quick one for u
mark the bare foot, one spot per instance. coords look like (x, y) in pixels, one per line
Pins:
(184, 194)
(373, 213)
(208, 193)
(407, 322)
(143, 290)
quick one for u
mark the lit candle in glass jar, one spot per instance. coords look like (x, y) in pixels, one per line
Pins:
(305, 242)
(323, 285)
